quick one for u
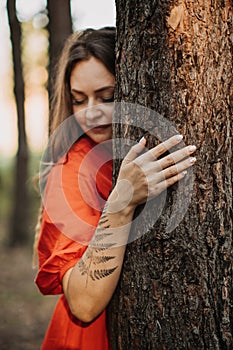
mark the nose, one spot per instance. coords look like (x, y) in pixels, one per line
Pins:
(93, 112)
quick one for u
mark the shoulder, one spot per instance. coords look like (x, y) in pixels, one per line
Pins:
(81, 146)
(78, 163)
(88, 159)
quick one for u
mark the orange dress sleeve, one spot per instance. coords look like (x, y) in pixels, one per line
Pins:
(76, 190)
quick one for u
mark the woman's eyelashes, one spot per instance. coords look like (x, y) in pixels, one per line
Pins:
(76, 102)
(101, 99)
(108, 99)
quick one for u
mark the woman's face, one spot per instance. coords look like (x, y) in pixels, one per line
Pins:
(92, 92)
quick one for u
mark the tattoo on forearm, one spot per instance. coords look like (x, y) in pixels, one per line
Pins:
(95, 254)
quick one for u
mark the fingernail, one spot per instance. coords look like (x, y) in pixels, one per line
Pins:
(193, 160)
(142, 139)
(179, 137)
(192, 148)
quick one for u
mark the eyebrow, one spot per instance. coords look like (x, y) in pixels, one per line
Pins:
(98, 90)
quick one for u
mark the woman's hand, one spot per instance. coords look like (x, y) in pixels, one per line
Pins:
(141, 177)
(144, 176)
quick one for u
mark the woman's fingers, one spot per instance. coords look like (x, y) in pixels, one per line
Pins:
(163, 147)
(176, 169)
(171, 165)
(157, 151)
(170, 176)
(135, 151)
(163, 185)
(175, 157)
(150, 175)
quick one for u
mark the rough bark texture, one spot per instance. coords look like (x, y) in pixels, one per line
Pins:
(176, 289)
(19, 221)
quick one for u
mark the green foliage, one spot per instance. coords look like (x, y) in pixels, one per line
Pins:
(6, 185)
(7, 176)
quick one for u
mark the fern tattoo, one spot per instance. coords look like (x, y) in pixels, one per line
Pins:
(98, 274)
(95, 254)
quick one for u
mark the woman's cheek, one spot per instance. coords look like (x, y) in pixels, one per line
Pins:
(79, 116)
(109, 111)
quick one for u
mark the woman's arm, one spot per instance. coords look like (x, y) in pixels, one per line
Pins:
(90, 284)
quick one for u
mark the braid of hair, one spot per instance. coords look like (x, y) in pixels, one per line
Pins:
(36, 237)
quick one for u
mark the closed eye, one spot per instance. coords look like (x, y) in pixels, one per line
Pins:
(77, 102)
(108, 99)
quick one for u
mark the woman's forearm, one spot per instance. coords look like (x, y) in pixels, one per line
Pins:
(89, 285)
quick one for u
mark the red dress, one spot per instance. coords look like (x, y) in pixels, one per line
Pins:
(76, 191)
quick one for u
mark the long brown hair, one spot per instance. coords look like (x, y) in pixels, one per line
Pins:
(99, 43)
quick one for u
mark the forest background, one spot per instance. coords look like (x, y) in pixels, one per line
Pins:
(26, 313)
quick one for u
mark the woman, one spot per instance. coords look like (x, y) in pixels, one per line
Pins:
(84, 230)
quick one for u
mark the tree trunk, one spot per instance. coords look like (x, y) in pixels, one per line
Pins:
(176, 287)
(19, 221)
(59, 27)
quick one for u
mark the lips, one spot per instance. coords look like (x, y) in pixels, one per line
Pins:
(99, 127)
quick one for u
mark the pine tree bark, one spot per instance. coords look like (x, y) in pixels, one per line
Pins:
(19, 220)
(176, 288)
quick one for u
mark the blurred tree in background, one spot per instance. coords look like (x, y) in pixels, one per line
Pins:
(19, 219)
(58, 29)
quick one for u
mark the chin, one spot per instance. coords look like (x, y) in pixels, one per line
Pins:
(100, 137)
